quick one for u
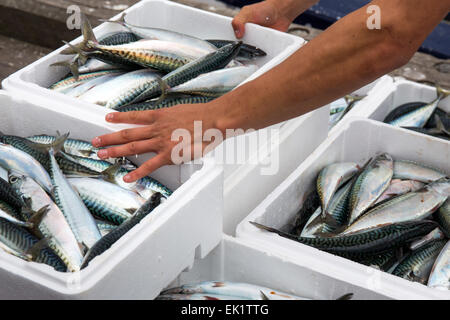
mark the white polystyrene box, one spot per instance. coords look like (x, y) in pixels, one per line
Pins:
(240, 260)
(372, 93)
(396, 93)
(297, 137)
(145, 260)
(358, 140)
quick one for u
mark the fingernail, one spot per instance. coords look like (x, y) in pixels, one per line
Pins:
(96, 142)
(103, 154)
(128, 178)
(109, 117)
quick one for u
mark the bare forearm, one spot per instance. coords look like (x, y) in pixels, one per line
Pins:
(345, 57)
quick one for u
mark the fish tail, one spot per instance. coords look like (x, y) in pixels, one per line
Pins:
(164, 89)
(279, 232)
(88, 44)
(347, 296)
(440, 126)
(110, 172)
(120, 21)
(442, 93)
(72, 64)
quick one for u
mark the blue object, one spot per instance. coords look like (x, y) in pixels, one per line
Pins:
(326, 12)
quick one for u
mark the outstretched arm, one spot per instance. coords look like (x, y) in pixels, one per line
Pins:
(340, 60)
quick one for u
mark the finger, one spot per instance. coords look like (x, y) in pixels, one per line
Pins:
(123, 136)
(238, 27)
(239, 22)
(146, 168)
(129, 149)
(132, 117)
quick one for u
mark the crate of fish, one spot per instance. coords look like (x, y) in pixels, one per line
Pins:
(233, 272)
(71, 228)
(412, 106)
(178, 60)
(370, 206)
(359, 100)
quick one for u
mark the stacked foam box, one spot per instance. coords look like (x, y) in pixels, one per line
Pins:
(148, 257)
(208, 198)
(295, 139)
(358, 140)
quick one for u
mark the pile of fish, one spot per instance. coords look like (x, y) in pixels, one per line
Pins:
(63, 206)
(142, 68)
(340, 107)
(423, 117)
(390, 214)
(219, 290)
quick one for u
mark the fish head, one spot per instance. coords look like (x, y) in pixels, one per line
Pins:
(16, 180)
(441, 186)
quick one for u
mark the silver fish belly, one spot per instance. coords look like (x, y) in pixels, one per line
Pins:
(77, 215)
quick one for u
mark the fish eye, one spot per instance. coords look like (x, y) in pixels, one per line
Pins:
(13, 179)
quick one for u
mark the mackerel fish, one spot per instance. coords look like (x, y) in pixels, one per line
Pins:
(410, 170)
(417, 266)
(77, 215)
(15, 160)
(106, 200)
(21, 243)
(440, 272)
(370, 185)
(122, 89)
(331, 178)
(108, 240)
(412, 206)
(365, 243)
(53, 225)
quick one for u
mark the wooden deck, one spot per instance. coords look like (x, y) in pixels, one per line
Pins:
(30, 29)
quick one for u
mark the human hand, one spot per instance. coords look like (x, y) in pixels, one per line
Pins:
(264, 13)
(156, 136)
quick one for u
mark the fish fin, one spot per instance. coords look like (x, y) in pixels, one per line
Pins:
(415, 278)
(347, 296)
(263, 296)
(86, 153)
(443, 93)
(88, 44)
(83, 247)
(317, 220)
(130, 210)
(280, 233)
(58, 144)
(34, 252)
(109, 174)
(164, 89)
(72, 64)
(440, 126)
(37, 217)
(120, 21)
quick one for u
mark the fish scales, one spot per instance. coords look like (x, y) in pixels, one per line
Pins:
(69, 167)
(77, 215)
(18, 241)
(367, 242)
(166, 103)
(108, 240)
(370, 185)
(417, 266)
(106, 200)
(53, 224)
